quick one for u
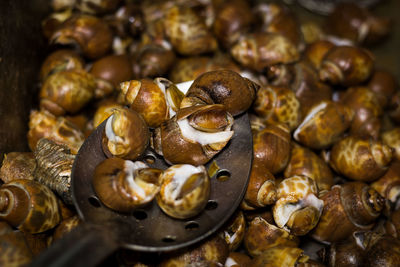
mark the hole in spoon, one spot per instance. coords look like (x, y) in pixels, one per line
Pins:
(169, 239)
(139, 215)
(223, 175)
(94, 201)
(211, 205)
(193, 225)
(150, 158)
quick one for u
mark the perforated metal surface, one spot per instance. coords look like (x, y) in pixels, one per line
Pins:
(149, 229)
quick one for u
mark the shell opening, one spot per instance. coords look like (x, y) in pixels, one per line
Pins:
(130, 169)
(203, 138)
(181, 175)
(309, 116)
(394, 194)
(184, 86)
(111, 135)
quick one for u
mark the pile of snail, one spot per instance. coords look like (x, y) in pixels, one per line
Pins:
(325, 124)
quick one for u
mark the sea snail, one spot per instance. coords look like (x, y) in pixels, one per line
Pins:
(123, 185)
(185, 190)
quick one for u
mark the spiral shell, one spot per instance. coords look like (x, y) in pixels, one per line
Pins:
(29, 206)
(305, 162)
(348, 207)
(17, 165)
(249, 50)
(297, 206)
(123, 185)
(324, 125)
(234, 231)
(360, 159)
(185, 190)
(278, 104)
(194, 135)
(67, 91)
(222, 87)
(126, 134)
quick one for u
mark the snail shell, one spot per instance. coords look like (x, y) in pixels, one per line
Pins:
(43, 124)
(305, 162)
(348, 207)
(234, 230)
(280, 256)
(278, 104)
(346, 65)
(316, 51)
(388, 185)
(156, 100)
(91, 34)
(360, 159)
(187, 32)
(324, 124)
(249, 51)
(222, 87)
(126, 134)
(123, 185)
(271, 147)
(67, 91)
(65, 227)
(384, 85)
(185, 190)
(194, 135)
(29, 206)
(54, 167)
(391, 138)
(297, 207)
(17, 165)
(104, 110)
(383, 251)
(14, 250)
(261, 235)
(237, 259)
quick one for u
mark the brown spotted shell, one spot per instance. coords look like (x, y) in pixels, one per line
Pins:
(391, 138)
(66, 226)
(222, 87)
(346, 65)
(278, 104)
(261, 235)
(271, 147)
(67, 91)
(347, 207)
(324, 125)
(185, 190)
(187, 32)
(280, 256)
(249, 50)
(104, 110)
(388, 185)
(29, 206)
(14, 250)
(304, 161)
(234, 230)
(90, 33)
(360, 159)
(17, 165)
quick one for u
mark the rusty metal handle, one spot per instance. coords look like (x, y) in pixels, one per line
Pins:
(87, 245)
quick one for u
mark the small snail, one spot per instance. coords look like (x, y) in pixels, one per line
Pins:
(43, 124)
(14, 250)
(194, 135)
(360, 159)
(391, 138)
(271, 147)
(346, 65)
(278, 104)
(156, 100)
(315, 52)
(234, 230)
(65, 227)
(222, 87)
(92, 35)
(29, 206)
(305, 162)
(249, 50)
(324, 125)
(280, 256)
(348, 207)
(17, 165)
(126, 134)
(297, 206)
(104, 110)
(388, 185)
(185, 190)
(67, 91)
(384, 85)
(123, 185)
(261, 235)
(127, 20)
(237, 259)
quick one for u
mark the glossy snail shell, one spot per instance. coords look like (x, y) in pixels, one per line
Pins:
(67, 91)
(249, 50)
(104, 110)
(222, 87)
(17, 165)
(238, 259)
(388, 185)
(185, 190)
(194, 135)
(234, 230)
(360, 159)
(297, 206)
(305, 162)
(347, 207)
(29, 206)
(316, 51)
(391, 138)
(280, 256)
(123, 185)
(261, 235)
(324, 125)
(383, 83)
(126, 134)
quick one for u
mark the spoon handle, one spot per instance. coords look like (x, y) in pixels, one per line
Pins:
(86, 245)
